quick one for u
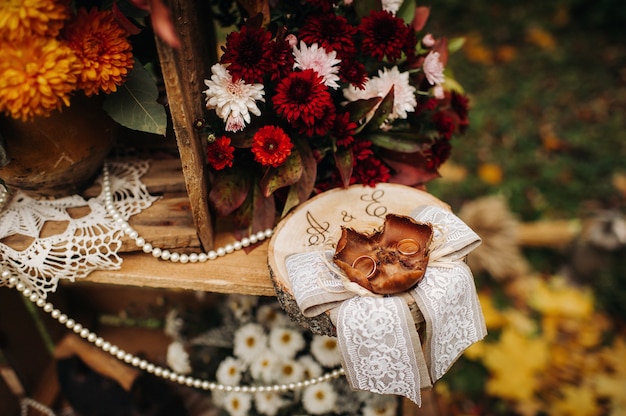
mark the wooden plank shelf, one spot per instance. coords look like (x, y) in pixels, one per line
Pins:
(168, 223)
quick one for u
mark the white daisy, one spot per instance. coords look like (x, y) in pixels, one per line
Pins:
(317, 59)
(311, 367)
(271, 316)
(264, 365)
(325, 351)
(381, 405)
(289, 371)
(177, 358)
(237, 403)
(250, 340)
(285, 342)
(229, 371)
(404, 100)
(319, 398)
(268, 403)
(433, 68)
(232, 101)
(369, 91)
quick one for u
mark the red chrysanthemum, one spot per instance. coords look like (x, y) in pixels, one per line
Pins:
(384, 35)
(343, 130)
(322, 125)
(302, 98)
(331, 32)
(220, 153)
(282, 59)
(324, 5)
(438, 153)
(460, 105)
(445, 123)
(370, 171)
(249, 54)
(354, 72)
(271, 146)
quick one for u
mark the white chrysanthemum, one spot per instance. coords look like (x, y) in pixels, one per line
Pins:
(381, 405)
(264, 365)
(268, 403)
(317, 59)
(325, 351)
(173, 324)
(319, 398)
(311, 367)
(177, 358)
(433, 68)
(289, 371)
(404, 100)
(237, 403)
(392, 5)
(286, 342)
(232, 101)
(271, 316)
(250, 340)
(229, 371)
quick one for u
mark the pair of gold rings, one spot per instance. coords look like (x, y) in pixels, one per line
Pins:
(367, 264)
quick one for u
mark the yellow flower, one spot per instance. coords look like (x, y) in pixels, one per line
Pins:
(37, 76)
(102, 48)
(24, 18)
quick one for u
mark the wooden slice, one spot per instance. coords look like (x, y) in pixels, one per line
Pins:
(318, 221)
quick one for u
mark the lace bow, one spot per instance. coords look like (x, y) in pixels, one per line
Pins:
(380, 346)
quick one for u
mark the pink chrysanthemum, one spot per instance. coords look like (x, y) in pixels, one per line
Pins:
(302, 97)
(271, 146)
(384, 35)
(220, 153)
(249, 54)
(433, 68)
(319, 60)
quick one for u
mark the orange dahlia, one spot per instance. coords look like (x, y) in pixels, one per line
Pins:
(37, 76)
(22, 18)
(102, 48)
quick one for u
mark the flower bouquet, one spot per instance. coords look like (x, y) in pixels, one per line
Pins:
(53, 50)
(317, 94)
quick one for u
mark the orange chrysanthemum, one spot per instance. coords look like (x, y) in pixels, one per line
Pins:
(37, 76)
(23, 18)
(101, 46)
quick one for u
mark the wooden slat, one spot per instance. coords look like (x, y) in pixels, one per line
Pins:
(183, 74)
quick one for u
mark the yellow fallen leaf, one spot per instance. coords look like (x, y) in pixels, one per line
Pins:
(540, 37)
(490, 173)
(575, 401)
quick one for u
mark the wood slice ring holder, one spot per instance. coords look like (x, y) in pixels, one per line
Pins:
(312, 224)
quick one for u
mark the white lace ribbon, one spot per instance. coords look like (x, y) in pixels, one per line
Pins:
(87, 243)
(377, 336)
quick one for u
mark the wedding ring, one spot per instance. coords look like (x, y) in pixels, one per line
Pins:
(361, 264)
(408, 247)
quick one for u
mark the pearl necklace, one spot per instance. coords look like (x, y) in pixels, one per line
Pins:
(128, 358)
(174, 257)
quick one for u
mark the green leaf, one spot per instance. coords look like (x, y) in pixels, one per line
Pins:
(404, 142)
(406, 11)
(362, 111)
(229, 190)
(134, 103)
(383, 111)
(257, 213)
(344, 162)
(455, 44)
(286, 174)
(302, 189)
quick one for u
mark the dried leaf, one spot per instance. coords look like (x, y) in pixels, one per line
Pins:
(344, 162)
(287, 174)
(229, 190)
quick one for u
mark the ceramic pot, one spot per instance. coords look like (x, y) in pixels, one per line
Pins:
(58, 155)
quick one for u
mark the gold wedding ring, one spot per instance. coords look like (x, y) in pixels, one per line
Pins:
(366, 265)
(408, 247)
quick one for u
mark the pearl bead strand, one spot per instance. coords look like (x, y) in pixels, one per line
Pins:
(162, 254)
(149, 367)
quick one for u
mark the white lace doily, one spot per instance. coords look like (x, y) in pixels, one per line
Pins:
(87, 243)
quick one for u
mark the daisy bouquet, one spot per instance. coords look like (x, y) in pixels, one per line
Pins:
(315, 94)
(52, 50)
(252, 342)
